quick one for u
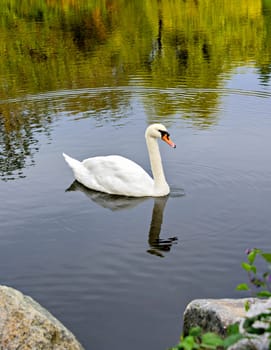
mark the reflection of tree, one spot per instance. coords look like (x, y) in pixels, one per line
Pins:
(157, 45)
(88, 29)
(265, 73)
(69, 45)
(196, 60)
(18, 139)
(173, 41)
(22, 122)
(264, 60)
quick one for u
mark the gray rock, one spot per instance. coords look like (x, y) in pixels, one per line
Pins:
(26, 325)
(213, 315)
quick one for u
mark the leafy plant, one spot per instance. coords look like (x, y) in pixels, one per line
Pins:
(260, 282)
(197, 339)
(255, 324)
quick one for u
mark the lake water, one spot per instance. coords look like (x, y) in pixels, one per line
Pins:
(119, 272)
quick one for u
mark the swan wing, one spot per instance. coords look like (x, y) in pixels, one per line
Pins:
(117, 175)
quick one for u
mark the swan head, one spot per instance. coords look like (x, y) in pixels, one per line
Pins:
(159, 131)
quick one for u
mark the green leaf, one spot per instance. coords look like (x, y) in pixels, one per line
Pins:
(248, 325)
(251, 256)
(247, 305)
(232, 339)
(253, 269)
(264, 294)
(211, 339)
(188, 343)
(246, 266)
(242, 286)
(195, 331)
(267, 257)
(233, 329)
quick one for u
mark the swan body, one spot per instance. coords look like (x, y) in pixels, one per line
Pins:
(121, 176)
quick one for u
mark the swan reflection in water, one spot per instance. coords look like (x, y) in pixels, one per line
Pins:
(157, 245)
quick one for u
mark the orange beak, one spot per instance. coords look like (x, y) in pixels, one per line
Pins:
(167, 139)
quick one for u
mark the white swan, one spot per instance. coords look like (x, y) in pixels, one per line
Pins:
(121, 176)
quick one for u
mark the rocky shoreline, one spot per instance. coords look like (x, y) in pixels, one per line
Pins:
(25, 324)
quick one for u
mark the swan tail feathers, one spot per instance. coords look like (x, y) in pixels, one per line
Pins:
(71, 161)
(76, 166)
(80, 172)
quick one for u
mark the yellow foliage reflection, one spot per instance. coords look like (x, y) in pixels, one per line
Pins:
(54, 45)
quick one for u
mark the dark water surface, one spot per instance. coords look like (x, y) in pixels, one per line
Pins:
(109, 268)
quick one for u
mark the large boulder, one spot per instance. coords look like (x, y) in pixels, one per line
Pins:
(26, 325)
(213, 315)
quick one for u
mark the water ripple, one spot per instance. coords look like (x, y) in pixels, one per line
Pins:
(141, 90)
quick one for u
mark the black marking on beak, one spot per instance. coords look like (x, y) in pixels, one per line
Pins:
(164, 133)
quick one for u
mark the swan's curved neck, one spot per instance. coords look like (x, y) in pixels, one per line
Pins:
(160, 183)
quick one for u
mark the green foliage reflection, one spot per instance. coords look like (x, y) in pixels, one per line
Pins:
(53, 45)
